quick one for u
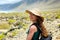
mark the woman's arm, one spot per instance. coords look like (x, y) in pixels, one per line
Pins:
(31, 32)
(44, 31)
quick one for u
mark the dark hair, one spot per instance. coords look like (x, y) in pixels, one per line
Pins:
(40, 20)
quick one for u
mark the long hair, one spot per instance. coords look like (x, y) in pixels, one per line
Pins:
(40, 21)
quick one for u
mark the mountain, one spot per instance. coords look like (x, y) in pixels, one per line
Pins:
(29, 4)
(6, 7)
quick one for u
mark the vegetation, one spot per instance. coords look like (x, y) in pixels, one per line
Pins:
(22, 18)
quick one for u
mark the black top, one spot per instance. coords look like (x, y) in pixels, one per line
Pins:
(36, 34)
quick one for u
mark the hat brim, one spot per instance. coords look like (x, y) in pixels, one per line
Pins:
(27, 11)
(34, 14)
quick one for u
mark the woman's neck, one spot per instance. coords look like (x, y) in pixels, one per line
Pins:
(34, 22)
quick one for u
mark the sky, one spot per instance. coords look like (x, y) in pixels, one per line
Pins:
(21, 5)
(8, 1)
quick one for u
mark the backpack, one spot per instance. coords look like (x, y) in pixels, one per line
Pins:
(42, 37)
(46, 38)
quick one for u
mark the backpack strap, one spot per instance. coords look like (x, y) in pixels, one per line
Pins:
(38, 27)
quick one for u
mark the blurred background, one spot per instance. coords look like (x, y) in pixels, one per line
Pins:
(15, 22)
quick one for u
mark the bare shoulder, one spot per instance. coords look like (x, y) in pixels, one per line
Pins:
(33, 28)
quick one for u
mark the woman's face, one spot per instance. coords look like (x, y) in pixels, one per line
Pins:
(32, 17)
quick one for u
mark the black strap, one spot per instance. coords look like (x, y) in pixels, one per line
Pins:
(38, 27)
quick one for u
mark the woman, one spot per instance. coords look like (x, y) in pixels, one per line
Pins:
(37, 28)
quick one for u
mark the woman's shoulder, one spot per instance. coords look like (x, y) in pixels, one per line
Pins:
(33, 25)
(33, 28)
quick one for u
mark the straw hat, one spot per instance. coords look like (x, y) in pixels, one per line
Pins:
(35, 12)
